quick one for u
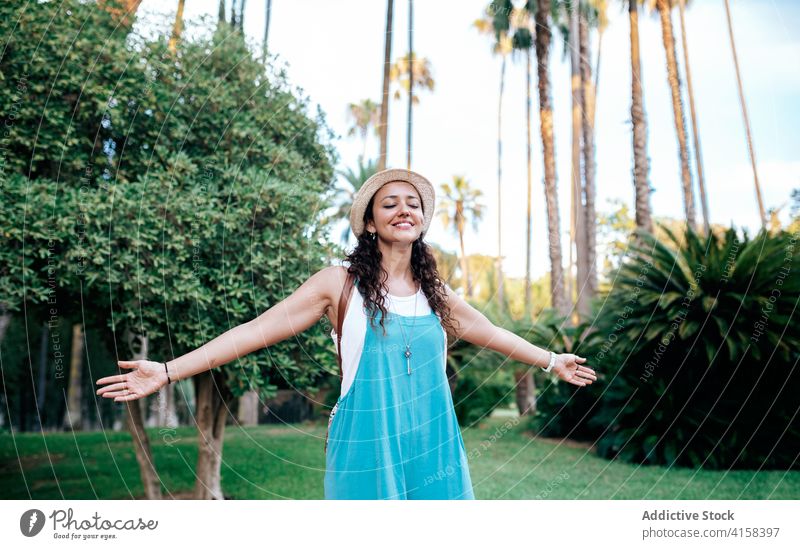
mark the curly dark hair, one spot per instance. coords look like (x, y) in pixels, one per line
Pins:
(365, 264)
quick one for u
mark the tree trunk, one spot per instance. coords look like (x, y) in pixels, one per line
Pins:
(177, 27)
(266, 30)
(387, 60)
(698, 157)
(590, 219)
(41, 386)
(5, 320)
(465, 281)
(248, 408)
(135, 424)
(221, 12)
(499, 263)
(543, 39)
(240, 20)
(123, 12)
(73, 417)
(213, 402)
(410, 78)
(528, 220)
(162, 408)
(577, 229)
(749, 135)
(640, 162)
(526, 391)
(677, 107)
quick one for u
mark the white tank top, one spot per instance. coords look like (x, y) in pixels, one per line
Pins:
(354, 329)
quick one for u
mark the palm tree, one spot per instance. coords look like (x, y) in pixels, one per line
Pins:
(698, 157)
(364, 115)
(387, 56)
(749, 135)
(266, 30)
(543, 39)
(410, 80)
(501, 45)
(177, 27)
(587, 270)
(353, 180)
(460, 204)
(644, 218)
(410, 75)
(123, 11)
(673, 78)
(508, 19)
(577, 232)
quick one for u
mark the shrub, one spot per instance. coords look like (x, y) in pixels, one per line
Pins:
(701, 353)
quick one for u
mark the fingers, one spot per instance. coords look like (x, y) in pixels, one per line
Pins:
(115, 394)
(111, 379)
(127, 363)
(580, 359)
(125, 398)
(110, 388)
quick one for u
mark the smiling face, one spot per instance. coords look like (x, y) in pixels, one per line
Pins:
(397, 213)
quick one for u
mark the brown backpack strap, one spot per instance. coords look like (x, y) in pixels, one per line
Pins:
(344, 299)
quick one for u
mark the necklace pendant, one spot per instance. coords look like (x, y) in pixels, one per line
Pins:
(407, 354)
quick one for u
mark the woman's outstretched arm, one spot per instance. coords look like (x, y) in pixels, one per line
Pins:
(474, 327)
(295, 314)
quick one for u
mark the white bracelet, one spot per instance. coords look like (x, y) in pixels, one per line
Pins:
(552, 362)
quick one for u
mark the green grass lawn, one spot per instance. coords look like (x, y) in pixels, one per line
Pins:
(276, 462)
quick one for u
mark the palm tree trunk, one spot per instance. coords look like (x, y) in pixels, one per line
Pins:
(466, 284)
(410, 77)
(177, 27)
(529, 228)
(640, 168)
(221, 12)
(677, 107)
(387, 55)
(698, 157)
(577, 231)
(749, 135)
(526, 391)
(543, 39)
(590, 219)
(240, 19)
(499, 268)
(124, 12)
(266, 30)
(597, 73)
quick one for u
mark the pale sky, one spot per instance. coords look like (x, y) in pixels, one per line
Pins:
(334, 52)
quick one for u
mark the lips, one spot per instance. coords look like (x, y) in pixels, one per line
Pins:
(403, 225)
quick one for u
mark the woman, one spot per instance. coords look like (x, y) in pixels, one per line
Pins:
(393, 432)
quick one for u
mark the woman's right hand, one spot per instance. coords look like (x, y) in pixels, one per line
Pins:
(146, 378)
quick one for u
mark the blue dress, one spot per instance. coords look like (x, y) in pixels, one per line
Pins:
(395, 435)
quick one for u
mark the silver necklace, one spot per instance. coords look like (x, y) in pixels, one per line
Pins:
(407, 352)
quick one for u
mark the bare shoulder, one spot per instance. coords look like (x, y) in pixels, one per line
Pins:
(334, 278)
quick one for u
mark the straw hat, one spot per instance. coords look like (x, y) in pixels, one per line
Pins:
(371, 186)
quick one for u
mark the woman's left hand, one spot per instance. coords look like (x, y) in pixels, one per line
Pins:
(572, 369)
